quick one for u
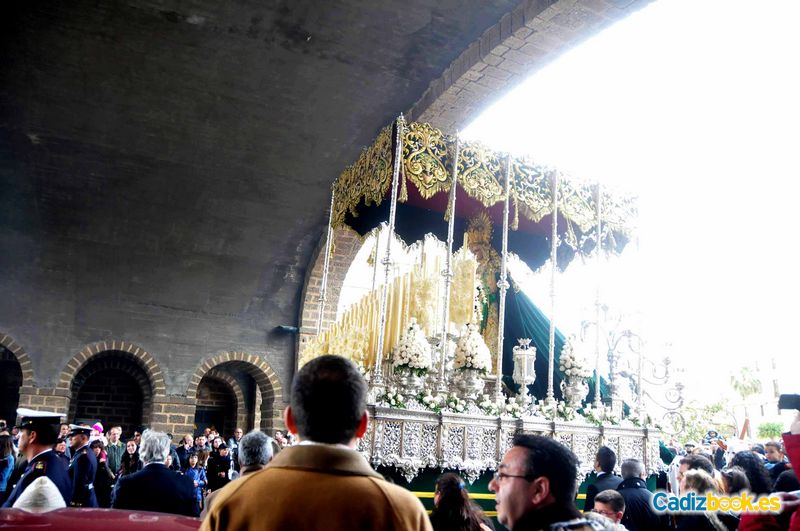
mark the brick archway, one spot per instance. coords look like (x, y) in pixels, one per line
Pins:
(141, 356)
(236, 389)
(114, 381)
(268, 412)
(12, 378)
(29, 396)
(22, 358)
(347, 244)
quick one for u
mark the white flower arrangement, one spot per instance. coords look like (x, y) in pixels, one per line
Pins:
(548, 411)
(601, 415)
(413, 351)
(429, 401)
(392, 398)
(572, 364)
(455, 404)
(471, 350)
(512, 408)
(566, 412)
(558, 409)
(488, 406)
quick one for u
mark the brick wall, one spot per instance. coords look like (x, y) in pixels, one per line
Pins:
(89, 391)
(216, 396)
(112, 396)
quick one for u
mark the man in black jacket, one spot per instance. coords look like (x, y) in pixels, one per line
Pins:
(639, 514)
(155, 487)
(82, 468)
(604, 464)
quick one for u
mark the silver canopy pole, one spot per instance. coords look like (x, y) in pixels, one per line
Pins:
(598, 307)
(441, 383)
(553, 262)
(377, 370)
(503, 286)
(323, 292)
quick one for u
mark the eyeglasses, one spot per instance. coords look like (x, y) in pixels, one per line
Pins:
(499, 476)
(608, 514)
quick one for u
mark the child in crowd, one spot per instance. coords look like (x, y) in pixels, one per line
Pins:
(198, 475)
(776, 459)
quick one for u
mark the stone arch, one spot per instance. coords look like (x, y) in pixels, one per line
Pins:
(142, 357)
(523, 41)
(13, 378)
(110, 380)
(347, 243)
(23, 359)
(268, 401)
(240, 405)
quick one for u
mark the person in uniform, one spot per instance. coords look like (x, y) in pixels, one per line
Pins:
(82, 468)
(38, 433)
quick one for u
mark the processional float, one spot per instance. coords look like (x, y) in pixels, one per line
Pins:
(432, 342)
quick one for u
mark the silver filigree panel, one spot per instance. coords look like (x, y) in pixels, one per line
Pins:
(391, 439)
(474, 442)
(411, 439)
(489, 445)
(453, 444)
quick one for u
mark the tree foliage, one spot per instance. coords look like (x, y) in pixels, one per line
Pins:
(701, 418)
(770, 430)
(746, 383)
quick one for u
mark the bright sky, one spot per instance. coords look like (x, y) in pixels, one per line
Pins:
(695, 107)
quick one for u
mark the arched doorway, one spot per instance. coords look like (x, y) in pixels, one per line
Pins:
(114, 388)
(216, 405)
(10, 382)
(248, 382)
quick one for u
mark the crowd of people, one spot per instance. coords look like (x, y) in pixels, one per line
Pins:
(97, 462)
(317, 480)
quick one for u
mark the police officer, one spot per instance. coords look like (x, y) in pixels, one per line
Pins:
(37, 435)
(82, 468)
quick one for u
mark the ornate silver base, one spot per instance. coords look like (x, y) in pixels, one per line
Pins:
(470, 384)
(472, 444)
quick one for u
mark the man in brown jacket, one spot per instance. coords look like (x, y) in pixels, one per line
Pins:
(321, 483)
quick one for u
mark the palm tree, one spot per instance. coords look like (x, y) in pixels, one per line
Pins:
(747, 384)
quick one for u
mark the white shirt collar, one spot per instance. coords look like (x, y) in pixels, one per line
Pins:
(306, 442)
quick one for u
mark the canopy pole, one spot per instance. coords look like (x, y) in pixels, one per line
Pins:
(377, 370)
(323, 292)
(503, 286)
(598, 309)
(441, 383)
(554, 263)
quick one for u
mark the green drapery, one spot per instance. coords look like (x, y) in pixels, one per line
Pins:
(525, 320)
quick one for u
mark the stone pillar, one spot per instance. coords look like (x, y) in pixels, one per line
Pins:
(174, 414)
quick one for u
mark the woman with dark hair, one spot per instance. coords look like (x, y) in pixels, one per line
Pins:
(734, 480)
(754, 469)
(6, 465)
(452, 508)
(130, 461)
(104, 478)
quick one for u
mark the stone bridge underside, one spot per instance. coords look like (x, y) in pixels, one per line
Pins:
(165, 170)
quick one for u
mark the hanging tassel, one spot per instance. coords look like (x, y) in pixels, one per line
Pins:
(403, 187)
(447, 212)
(515, 221)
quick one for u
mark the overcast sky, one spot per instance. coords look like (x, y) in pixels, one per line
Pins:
(694, 107)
